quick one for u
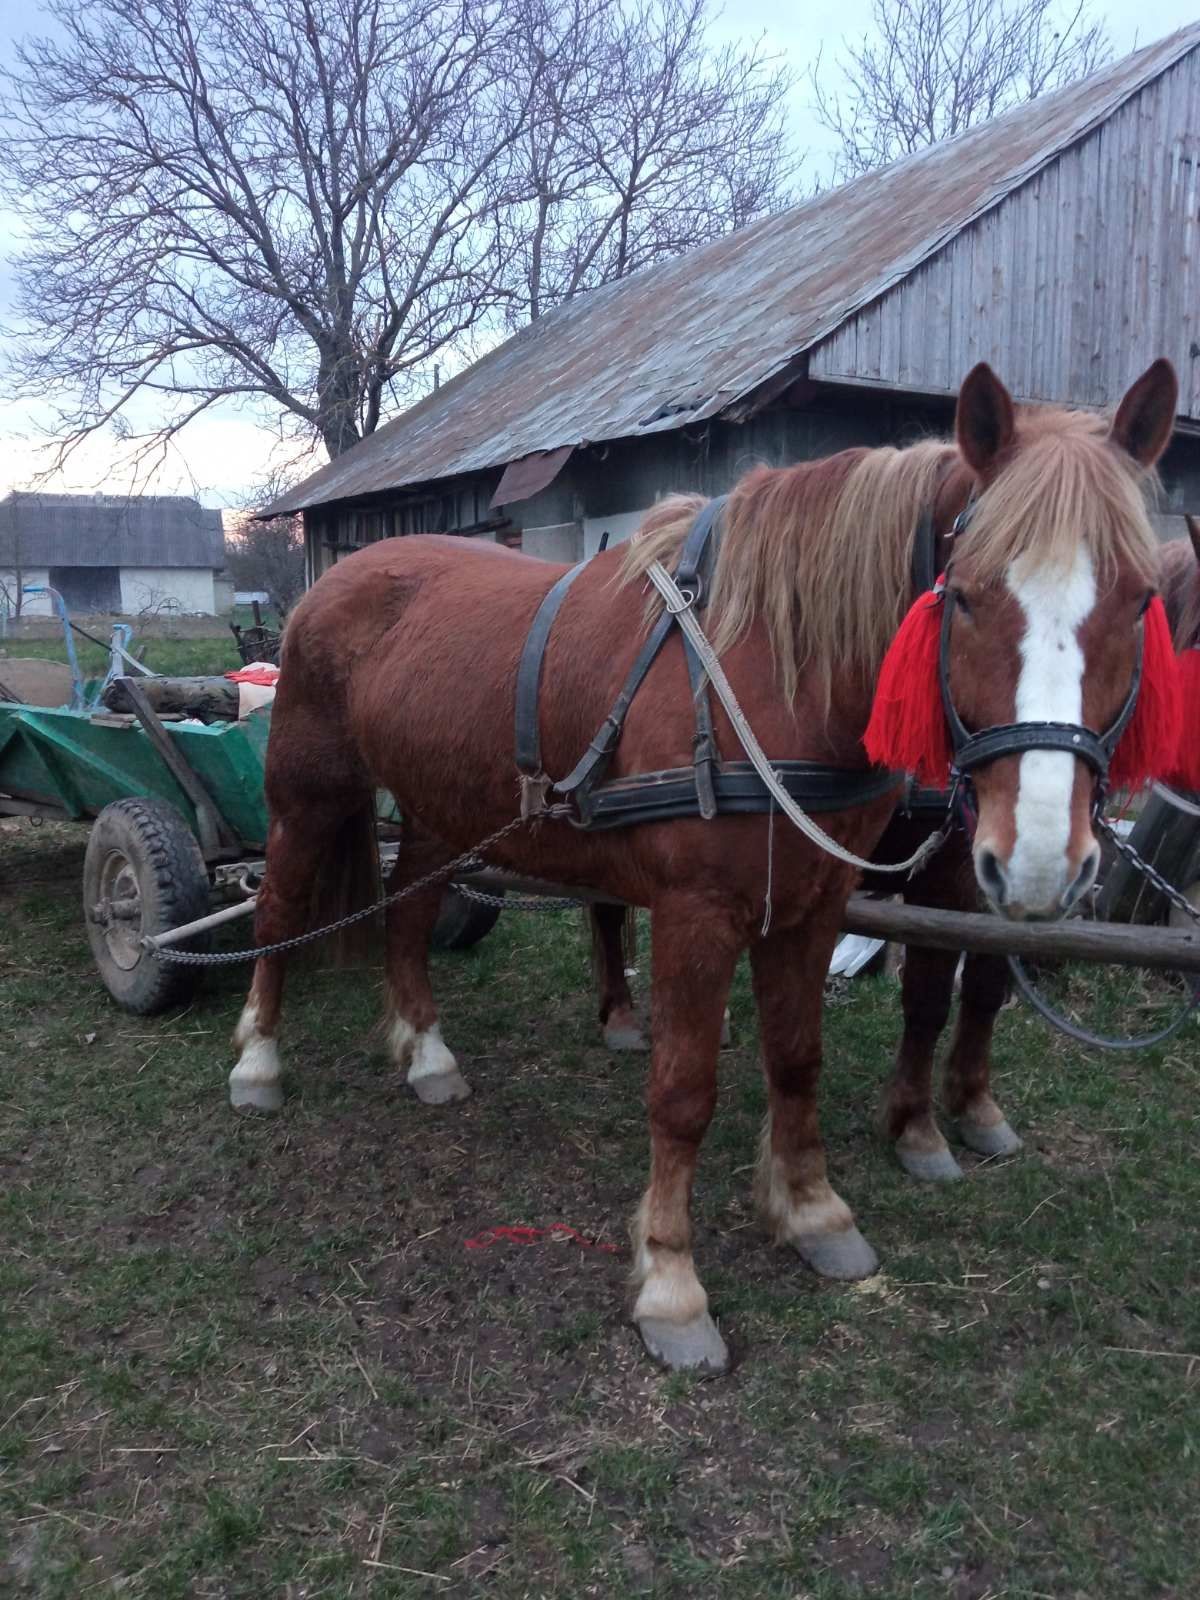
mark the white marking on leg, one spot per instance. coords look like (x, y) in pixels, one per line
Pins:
(430, 1057)
(668, 1286)
(788, 1218)
(1049, 689)
(255, 1080)
(433, 1073)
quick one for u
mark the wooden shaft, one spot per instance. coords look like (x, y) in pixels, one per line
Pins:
(1123, 944)
(1120, 944)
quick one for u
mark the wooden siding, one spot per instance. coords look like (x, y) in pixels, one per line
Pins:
(1072, 284)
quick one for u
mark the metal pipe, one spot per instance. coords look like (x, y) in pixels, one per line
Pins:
(158, 941)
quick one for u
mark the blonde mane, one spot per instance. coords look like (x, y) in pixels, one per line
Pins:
(1065, 482)
(821, 554)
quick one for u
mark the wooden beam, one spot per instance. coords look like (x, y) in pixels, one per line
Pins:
(1117, 943)
(1121, 943)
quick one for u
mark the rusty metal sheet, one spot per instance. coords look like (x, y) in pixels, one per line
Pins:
(530, 475)
(693, 337)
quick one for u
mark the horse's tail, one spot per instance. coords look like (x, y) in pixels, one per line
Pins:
(347, 880)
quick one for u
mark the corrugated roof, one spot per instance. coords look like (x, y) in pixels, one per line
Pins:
(79, 530)
(688, 338)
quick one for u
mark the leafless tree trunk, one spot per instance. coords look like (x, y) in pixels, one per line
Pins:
(644, 143)
(298, 204)
(933, 68)
(284, 200)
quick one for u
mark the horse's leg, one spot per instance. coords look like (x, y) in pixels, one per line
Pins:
(907, 1114)
(693, 958)
(927, 991)
(414, 1035)
(300, 840)
(610, 952)
(612, 947)
(793, 1192)
(981, 1124)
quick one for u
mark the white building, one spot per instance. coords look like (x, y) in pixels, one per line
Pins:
(131, 555)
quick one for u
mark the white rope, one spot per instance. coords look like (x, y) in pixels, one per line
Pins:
(679, 605)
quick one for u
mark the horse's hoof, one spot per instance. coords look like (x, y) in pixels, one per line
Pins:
(845, 1254)
(996, 1139)
(256, 1096)
(440, 1088)
(931, 1166)
(625, 1038)
(695, 1344)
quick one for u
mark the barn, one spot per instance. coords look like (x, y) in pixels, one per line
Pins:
(127, 554)
(1060, 242)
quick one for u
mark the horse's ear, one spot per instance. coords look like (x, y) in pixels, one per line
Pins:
(1145, 418)
(984, 421)
(1193, 528)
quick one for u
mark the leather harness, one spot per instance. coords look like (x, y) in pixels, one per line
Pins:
(711, 786)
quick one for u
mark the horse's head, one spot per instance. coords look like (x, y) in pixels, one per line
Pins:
(1047, 588)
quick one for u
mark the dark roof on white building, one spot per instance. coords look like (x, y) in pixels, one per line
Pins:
(79, 530)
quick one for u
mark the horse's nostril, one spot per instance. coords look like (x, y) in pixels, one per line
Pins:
(1084, 878)
(991, 874)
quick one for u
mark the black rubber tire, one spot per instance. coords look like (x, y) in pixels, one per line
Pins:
(144, 845)
(462, 923)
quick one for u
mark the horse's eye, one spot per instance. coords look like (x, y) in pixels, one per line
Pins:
(961, 601)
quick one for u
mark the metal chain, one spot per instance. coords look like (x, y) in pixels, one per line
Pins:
(518, 902)
(223, 958)
(1150, 873)
(1101, 1041)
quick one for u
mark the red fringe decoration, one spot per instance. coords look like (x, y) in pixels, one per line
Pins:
(1185, 774)
(907, 731)
(1150, 744)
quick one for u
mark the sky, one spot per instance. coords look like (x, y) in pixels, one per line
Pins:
(222, 456)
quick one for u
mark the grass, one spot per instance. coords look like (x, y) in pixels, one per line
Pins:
(171, 657)
(251, 1357)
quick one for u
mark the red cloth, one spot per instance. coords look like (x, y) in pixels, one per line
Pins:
(266, 676)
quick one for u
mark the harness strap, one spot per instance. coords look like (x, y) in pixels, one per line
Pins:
(690, 584)
(704, 745)
(739, 791)
(529, 675)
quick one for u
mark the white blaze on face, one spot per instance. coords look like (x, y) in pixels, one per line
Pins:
(1049, 689)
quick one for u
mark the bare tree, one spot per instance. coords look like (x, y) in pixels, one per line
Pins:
(298, 204)
(291, 200)
(933, 68)
(268, 556)
(644, 142)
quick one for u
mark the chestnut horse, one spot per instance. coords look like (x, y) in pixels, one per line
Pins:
(399, 673)
(907, 1118)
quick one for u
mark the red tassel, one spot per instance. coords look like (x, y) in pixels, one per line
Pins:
(1185, 773)
(907, 731)
(1150, 744)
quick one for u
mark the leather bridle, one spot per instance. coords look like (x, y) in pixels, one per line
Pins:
(974, 750)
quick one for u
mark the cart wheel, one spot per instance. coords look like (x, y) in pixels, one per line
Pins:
(462, 922)
(143, 873)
